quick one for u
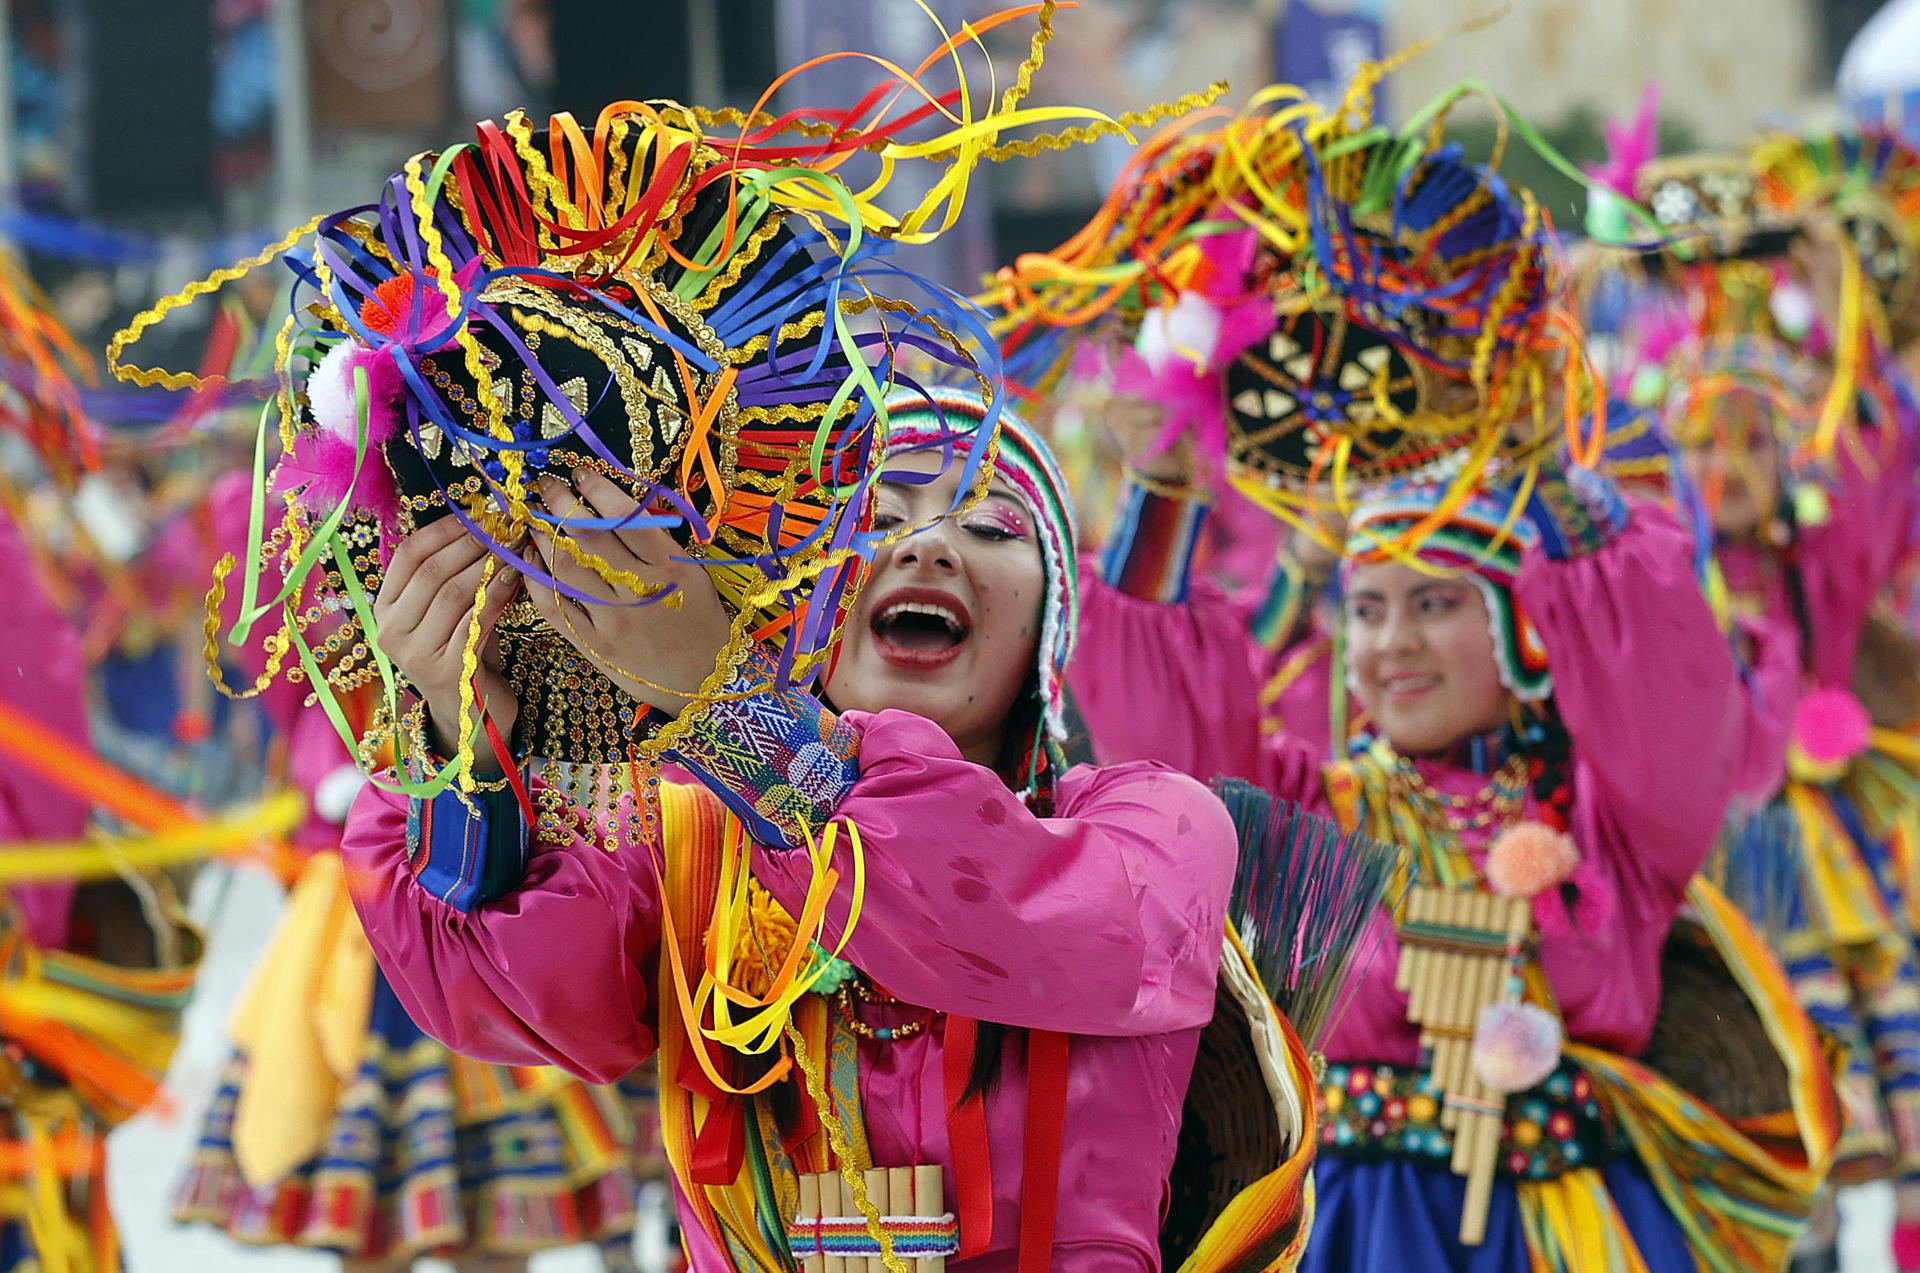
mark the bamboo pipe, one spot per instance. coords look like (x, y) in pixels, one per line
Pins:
(880, 1195)
(831, 1184)
(929, 1202)
(810, 1210)
(1409, 955)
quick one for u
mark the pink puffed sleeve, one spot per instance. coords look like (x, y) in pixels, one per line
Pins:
(42, 676)
(1105, 919)
(1172, 682)
(1849, 558)
(1646, 685)
(559, 971)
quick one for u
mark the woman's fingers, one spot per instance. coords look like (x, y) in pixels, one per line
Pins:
(609, 502)
(452, 628)
(447, 619)
(631, 548)
(562, 615)
(413, 553)
(418, 590)
(565, 569)
(500, 593)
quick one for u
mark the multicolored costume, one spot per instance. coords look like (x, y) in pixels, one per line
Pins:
(721, 339)
(338, 1124)
(1091, 907)
(1723, 352)
(95, 963)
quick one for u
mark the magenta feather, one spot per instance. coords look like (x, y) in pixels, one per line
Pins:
(1630, 147)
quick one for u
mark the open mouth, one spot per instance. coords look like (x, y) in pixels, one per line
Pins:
(924, 630)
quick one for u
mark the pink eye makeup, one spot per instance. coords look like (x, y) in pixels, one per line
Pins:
(1000, 516)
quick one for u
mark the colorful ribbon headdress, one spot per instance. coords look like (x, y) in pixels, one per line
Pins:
(1722, 224)
(39, 361)
(1328, 304)
(1870, 182)
(708, 319)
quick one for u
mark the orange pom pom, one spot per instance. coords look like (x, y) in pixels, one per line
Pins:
(1529, 858)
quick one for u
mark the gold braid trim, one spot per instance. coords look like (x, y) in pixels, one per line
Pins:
(1080, 134)
(1036, 54)
(147, 377)
(283, 396)
(746, 353)
(837, 1138)
(276, 643)
(745, 254)
(734, 117)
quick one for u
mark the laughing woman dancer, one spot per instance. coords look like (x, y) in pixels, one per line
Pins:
(1023, 933)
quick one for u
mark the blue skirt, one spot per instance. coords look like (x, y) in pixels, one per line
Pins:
(1399, 1216)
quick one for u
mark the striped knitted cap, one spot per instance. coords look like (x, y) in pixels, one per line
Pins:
(921, 418)
(1482, 538)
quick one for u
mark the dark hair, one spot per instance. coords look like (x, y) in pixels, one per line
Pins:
(1795, 582)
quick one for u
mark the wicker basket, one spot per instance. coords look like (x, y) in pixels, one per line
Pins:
(1708, 1038)
(1242, 1117)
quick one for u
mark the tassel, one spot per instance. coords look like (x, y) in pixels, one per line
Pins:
(1302, 898)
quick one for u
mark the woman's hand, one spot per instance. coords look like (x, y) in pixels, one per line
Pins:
(1318, 551)
(660, 653)
(1136, 425)
(424, 612)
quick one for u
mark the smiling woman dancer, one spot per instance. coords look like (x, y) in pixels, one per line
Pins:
(1366, 321)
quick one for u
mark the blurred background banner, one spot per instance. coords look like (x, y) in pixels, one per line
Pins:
(1879, 78)
(141, 139)
(1319, 44)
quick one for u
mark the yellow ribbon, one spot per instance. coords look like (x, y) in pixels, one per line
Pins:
(252, 826)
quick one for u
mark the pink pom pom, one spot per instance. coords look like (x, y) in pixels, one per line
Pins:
(1515, 1045)
(1831, 727)
(1529, 858)
(320, 468)
(330, 393)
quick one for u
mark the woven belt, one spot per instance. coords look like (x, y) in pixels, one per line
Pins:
(1389, 1111)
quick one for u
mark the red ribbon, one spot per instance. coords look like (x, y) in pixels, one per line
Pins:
(1046, 1130)
(967, 1138)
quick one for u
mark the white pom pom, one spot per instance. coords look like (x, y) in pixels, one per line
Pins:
(1188, 331)
(334, 794)
(1151, 342)
(1193, 327)
(330, 392)
(1792, 307)
(113, 521)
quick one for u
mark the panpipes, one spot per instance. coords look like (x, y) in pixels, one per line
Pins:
(830, 1235)
(1455, 952)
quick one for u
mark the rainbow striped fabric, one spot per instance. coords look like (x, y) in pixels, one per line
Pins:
(914, 1237)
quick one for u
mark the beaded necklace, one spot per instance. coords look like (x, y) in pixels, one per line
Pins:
(1397, 805)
